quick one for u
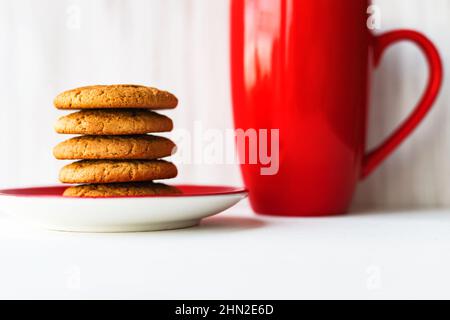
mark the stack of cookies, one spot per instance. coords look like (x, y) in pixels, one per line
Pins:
(117, 155)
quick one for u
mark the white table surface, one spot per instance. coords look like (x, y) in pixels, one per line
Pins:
(236, 255)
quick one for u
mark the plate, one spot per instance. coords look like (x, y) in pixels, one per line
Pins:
(47, 208)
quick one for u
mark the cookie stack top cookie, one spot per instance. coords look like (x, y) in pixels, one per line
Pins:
(118, 156)
(115, 96)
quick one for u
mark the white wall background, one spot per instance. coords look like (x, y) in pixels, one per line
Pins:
(182, 46)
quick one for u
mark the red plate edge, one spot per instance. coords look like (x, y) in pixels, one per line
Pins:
(188, 191)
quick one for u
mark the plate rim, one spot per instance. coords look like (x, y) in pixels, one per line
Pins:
(233, 191)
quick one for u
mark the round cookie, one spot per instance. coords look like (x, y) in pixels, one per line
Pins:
(138, 147)
(115, 96)
(132, 189)
(109, 171)
(113, 122)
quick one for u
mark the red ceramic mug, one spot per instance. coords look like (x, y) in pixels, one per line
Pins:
(303, 67)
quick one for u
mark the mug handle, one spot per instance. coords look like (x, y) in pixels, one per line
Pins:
(374, 158)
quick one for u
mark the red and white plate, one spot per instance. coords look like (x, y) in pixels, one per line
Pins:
(47, 208)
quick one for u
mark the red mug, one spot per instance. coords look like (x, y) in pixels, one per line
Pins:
(303, 67)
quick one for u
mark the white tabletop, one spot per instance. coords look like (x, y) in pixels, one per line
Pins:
(236, 255)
